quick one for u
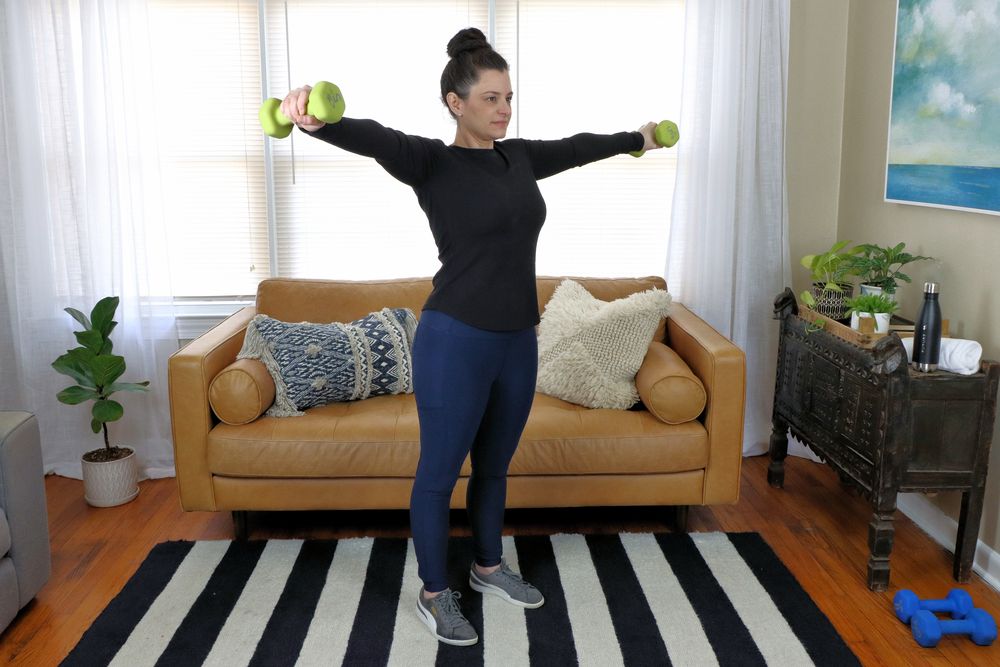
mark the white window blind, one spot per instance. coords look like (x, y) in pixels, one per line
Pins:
(576, 66)
(206, 64)
(595, 66)
(344, 216)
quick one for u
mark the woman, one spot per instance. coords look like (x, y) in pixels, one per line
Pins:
(475, 353)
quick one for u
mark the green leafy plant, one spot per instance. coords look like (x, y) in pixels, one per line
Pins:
(881, 266)
(96, 369)
(830, 269)
(816, 325)
(869, 304)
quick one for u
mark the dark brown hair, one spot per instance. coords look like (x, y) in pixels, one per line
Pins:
(470, 53)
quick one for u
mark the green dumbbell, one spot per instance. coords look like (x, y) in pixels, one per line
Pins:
(666, 135)
(325, 103)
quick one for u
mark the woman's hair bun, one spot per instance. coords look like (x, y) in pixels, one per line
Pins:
(469, 39)
(469, 54)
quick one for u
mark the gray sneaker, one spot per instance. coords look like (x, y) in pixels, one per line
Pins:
(442, 615)
(507, 584)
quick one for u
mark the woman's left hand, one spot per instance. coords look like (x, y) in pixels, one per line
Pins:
(647, 134)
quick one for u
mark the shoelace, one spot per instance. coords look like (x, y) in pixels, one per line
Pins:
(513, 576)
(448, 603)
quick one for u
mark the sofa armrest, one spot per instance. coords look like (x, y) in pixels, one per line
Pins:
(22, 500)
(190, 371)
(721, 367)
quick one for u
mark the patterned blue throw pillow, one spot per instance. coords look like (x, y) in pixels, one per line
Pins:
(315, 364)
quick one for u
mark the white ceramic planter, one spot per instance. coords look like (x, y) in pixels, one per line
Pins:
(881, 322)
(865, 288)
(110, 483)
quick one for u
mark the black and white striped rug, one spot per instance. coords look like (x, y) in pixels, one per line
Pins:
(627, 599)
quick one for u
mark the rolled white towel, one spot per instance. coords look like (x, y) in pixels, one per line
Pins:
(957, 355)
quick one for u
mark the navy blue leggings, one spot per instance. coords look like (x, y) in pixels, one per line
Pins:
(474, 389)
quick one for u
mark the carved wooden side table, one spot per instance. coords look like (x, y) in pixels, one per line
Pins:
(884, 427)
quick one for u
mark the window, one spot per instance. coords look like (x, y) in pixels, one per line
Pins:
(593, 66)
(343, 216)
(206, 62)
(576, 66)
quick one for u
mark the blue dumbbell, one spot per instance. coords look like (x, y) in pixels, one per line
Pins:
(928, 628)
(958, 604)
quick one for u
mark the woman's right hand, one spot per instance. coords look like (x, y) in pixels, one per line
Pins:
(294, 107)
(649, 136)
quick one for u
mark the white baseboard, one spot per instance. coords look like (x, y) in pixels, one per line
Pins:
(944, 530)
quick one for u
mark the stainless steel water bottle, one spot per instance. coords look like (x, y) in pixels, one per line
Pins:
(927, 331)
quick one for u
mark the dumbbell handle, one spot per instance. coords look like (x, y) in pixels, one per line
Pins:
(954, 626)
(937, 605)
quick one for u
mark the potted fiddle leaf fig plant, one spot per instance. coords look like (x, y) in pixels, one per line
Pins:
(829, 272)
(880, 268)
(110, 474)
(877, 306)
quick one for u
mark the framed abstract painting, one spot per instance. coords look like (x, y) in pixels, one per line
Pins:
(944, 119)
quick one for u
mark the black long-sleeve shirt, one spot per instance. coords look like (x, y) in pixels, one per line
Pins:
(484, 207)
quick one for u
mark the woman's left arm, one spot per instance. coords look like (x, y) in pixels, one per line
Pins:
(554, 156)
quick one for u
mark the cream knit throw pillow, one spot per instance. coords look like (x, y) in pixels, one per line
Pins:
(590, 350)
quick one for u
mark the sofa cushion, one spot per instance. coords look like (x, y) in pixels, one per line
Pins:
(297, 299)
(590, 350)
(668, 387)
(380, 437)
(241, 392)
(605, 289)
(314, 364)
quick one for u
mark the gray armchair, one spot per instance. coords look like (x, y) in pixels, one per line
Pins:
(25, 558)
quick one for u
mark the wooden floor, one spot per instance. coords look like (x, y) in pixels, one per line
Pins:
(817, 527)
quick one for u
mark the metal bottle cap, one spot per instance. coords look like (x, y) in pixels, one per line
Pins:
(930, 288)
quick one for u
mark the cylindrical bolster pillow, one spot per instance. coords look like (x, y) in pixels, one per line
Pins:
(241, 392)
(667, 386)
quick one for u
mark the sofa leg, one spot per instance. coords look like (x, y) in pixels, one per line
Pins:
(240, 524)
(680, 518)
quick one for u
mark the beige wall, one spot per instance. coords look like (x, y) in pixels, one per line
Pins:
(827, 99)
(817, 60)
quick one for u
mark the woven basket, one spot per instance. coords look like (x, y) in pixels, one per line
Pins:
(830, 303)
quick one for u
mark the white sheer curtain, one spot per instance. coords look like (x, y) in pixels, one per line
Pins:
(728, 254)
(80, 219)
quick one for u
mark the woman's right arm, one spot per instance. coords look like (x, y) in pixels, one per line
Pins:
(407, 158)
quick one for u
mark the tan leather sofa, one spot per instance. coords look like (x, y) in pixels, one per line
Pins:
(363, 454)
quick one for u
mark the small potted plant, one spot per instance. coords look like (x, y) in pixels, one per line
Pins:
(829, 272)
(877, 306)
(880, 267)
(109, 473)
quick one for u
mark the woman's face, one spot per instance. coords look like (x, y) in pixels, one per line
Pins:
(486, 113)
